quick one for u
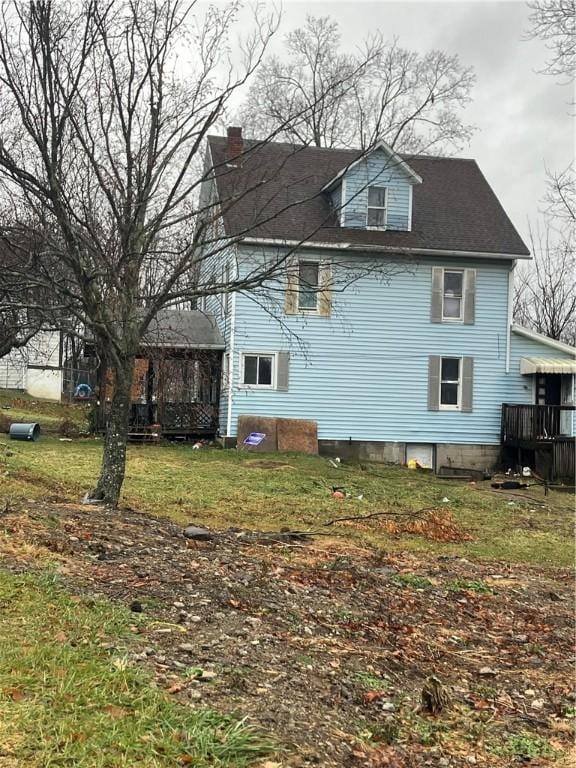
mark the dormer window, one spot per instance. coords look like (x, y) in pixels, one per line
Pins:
(376, 218)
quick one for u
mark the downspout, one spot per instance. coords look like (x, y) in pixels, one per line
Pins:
(509, 314)
(231, 357)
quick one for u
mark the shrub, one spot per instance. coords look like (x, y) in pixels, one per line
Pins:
(68, 428)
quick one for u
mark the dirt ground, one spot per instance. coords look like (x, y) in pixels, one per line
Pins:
(327, 647)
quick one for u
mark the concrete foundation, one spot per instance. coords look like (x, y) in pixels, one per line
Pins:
(451, 455)
(458, 456)
(370, 450)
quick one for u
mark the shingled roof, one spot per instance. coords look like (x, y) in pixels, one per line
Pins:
(190, 329)
(274, 192)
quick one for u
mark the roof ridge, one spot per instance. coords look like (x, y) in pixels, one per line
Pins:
(351, 150)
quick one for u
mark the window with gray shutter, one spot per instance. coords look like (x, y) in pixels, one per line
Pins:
(453, 297)
(450, 383)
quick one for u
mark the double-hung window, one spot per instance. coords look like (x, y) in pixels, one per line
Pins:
(450, 383)
(258, 370)
(308, 285)
(452, 293)
(376, 216)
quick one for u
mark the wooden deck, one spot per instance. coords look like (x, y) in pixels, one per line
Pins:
(540, 436)
(177, 419)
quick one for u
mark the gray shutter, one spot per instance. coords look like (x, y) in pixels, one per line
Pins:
(469, 296)
(282, 374)
(467, 384)
(434, 383)
(437, 292)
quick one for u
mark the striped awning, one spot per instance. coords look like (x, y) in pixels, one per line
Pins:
(547, 365)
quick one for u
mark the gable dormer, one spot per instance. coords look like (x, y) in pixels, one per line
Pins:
(374, 191)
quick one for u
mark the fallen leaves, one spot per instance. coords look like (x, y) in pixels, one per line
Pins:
(16, 694)
(115, 711)
(326, 614)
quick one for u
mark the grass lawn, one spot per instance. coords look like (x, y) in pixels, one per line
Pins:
(69, 696)
(75, 689)
(222, 488)
(16, 406)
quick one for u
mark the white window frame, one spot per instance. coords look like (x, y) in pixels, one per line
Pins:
(458, 405)
(460, 318)
(309, 310)
(377, 207)
(259, 353)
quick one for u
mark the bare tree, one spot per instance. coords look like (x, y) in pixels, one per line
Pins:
(544, 298)
(560, 198)
(104, 112)
(25, 309)
(380, 91)
(554, 21)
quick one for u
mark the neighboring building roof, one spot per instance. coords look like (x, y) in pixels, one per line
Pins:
(184, 328)
(547, 365)
(534, 336)
(275, 194)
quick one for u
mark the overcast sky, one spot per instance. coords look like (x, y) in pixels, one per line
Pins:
(522, 117)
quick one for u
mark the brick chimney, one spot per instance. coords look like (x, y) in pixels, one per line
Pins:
(235, 145)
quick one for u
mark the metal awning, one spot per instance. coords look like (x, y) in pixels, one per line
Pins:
(547, 365)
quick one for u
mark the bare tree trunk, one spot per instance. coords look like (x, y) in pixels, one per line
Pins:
(116, 435)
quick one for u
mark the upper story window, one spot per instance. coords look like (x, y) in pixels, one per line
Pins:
(452, 294)
(453, 299)
(376, 217)
(308, 285)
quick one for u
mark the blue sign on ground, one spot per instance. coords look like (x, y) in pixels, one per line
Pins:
(254, 438)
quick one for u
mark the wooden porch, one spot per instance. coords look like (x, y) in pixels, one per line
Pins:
(175, 393)
(541, 437)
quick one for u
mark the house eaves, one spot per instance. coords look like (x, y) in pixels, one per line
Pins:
(358, 247)
(553, 343)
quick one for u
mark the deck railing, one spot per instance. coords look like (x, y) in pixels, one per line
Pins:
(176, 418)
(536, 423)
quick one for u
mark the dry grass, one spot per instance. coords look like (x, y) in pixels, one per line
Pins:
(70, 695)
(226, 488)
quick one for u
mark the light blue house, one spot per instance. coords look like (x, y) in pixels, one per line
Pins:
(385, 315)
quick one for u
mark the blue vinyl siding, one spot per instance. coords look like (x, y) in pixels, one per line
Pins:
(521, 388)
(363, 372)
(336, 200)
(376, 170)
(212, 269)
